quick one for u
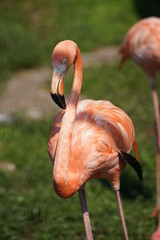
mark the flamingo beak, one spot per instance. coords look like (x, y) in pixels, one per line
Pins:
(56, 92)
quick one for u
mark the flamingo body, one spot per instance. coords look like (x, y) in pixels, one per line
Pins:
(142, 44)
(101, 130)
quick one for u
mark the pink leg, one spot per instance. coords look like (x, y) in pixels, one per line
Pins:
(121, 215)
(85, 213)
(157, 117)
(156, 110)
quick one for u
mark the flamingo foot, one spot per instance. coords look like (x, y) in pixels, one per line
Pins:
(156, 235)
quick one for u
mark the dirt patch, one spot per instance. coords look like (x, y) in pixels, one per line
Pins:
(25, 91)
(100, 56)
(7, 167)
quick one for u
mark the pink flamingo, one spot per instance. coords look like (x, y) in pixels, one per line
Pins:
(142, 45)
(89, 139)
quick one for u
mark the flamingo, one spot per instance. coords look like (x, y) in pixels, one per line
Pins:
(89, 139)
(142, 45)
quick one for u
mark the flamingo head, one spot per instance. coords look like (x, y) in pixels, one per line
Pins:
(62, 58)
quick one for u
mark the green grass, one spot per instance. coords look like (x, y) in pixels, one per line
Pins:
(29, 207)
(29, 30)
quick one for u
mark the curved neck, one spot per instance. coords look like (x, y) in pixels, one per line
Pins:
(62, 181)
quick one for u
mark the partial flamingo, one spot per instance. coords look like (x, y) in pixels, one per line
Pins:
(89, 139)
(142, 45)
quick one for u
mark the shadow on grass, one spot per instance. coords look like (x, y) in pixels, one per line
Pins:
(147, 8)
(131, 187)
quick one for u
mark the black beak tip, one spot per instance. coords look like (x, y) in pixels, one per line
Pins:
(59, 100)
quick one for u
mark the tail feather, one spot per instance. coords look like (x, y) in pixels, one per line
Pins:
(135, 149)
(132, 162)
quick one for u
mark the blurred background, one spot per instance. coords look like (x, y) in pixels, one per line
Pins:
(29, 30)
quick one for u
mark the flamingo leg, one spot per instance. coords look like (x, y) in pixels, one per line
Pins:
(157, 117)
(121, 215)
(156, 109)
(85, 213)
